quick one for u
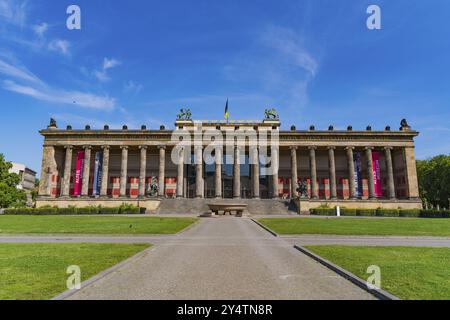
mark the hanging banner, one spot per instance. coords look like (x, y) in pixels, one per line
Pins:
(358, 174)
(78, 182)
(377, 174)
(98, 173)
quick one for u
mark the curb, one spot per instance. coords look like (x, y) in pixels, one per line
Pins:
(265, 228)
(68, 293)
(378, 293)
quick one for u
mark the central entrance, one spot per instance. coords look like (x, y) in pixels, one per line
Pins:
(209, 171)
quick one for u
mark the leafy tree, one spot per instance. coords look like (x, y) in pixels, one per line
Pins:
(10, 196)
(434, 180)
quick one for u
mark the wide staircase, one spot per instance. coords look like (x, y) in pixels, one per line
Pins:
(200, 206)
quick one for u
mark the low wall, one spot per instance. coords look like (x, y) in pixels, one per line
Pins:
(150, 204)
(306, 205)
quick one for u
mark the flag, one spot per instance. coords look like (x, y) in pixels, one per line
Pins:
(227, 114)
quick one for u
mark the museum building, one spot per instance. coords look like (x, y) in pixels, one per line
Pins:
(348, 168)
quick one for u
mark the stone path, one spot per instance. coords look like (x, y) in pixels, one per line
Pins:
(225, 258)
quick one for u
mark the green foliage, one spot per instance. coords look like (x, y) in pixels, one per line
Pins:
(434, 181)
(393, 213)
(70, 211)
(10, 196)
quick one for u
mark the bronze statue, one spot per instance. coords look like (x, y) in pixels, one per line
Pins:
(153, 188)
(185, 114)
(271, 114)
(302, 190)
(404, 125)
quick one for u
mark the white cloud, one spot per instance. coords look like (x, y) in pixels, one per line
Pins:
(18, 72)
(13, 12)
(61, 46)
(77, 98)
(40, 29)
(110, 63)
(133, 87)
(289, 44)
(102, 74)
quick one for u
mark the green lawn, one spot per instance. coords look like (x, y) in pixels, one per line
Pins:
(352, 226)
(38, 271)
(409, 273)
(92, 225)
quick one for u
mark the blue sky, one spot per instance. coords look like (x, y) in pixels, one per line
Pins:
(138, 62)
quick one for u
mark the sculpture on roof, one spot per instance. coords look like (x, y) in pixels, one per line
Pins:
(404, 125)
(271, 114)
(52, 123)
(185, 114)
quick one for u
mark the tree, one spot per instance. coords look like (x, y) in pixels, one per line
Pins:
(10, 196)
(434, 180)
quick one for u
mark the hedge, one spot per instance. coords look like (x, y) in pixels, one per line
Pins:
(409, 213)
(49, 211)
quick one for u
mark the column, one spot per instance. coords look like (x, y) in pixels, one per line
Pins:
(390, 173)
(351, 172)
(199, 182)
(369, 161)
(332, 166)
(275, 155)
(86, 171)
(411, 173)
(294, 172)
(180, 177)
(218, 180)
(255, 172)
(67, 172)
(313, 167)
(143, 171)
(48, 168)
(124, 172)
(105, 172)
(237, 173)
(162, 171)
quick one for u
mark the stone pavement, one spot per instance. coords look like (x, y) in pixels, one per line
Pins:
(223, 258)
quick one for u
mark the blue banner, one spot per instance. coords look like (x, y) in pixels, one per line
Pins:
(358, 175)
(98, 173)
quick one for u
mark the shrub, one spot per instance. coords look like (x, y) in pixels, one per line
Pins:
(129, 209)
(412, 213)
(435, 214)
(394, 213)
(104, 210)
(48, 211)
(323, 212)
(348, 212)
(366, 212)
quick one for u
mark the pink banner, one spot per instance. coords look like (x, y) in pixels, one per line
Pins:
(377, 174)
(78, 182)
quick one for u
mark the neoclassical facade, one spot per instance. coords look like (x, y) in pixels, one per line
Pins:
(350, 168)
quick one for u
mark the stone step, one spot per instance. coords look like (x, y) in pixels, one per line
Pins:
(200, 206)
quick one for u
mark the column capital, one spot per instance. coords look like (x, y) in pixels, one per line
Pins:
(389, 148)
(68, 147)
(293, 147)
(162, 147)
(106, 147)
(331, 148)
(87, 147)
(312, 148)
(143, 147)
(350, 148)
(369, 148)
(124, 147)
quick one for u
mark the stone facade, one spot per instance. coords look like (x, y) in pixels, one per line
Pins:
(323, 160)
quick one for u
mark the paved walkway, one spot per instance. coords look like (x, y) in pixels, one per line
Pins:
(226, 258)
